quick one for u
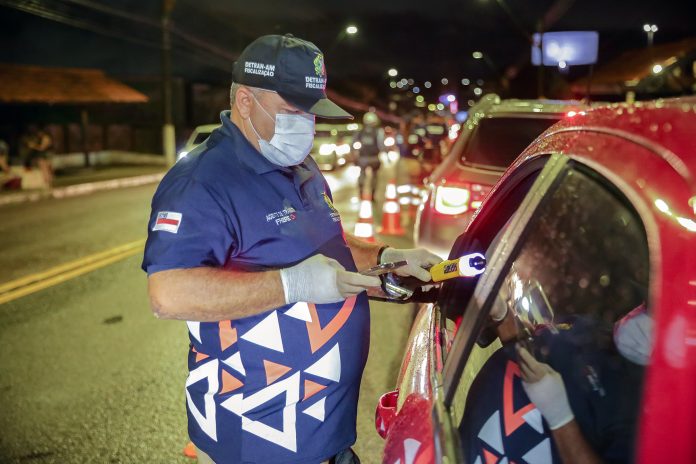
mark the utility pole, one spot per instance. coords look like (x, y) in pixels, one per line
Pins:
(168, 137)
(540, 71)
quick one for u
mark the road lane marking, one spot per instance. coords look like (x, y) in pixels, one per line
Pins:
(58, 274)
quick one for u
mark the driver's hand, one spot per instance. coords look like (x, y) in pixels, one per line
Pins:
(544, 387)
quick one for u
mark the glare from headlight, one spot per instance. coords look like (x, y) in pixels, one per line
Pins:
(327, 148)
(357, 145)
(343, 149)
(389, 142)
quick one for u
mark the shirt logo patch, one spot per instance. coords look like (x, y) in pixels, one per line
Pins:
(334, 212)
(168, 221)
(284, 215)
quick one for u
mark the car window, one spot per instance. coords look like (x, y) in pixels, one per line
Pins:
(575, 290)
(497, 141)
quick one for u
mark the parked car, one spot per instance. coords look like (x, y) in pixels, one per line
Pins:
(332, 144)
(495, 132)
(594, 221)
(198, 136)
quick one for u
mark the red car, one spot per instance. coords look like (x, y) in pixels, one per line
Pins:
(593, 224)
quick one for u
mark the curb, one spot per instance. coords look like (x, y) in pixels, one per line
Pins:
(81, 189)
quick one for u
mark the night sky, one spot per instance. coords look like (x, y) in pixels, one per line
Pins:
(424, 40)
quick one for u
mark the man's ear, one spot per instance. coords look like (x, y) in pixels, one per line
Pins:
(243, 101)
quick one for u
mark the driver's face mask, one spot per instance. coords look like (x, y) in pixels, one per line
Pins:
(292, 138)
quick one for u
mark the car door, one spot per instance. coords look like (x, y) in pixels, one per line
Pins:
(411, 417)
(570, 264)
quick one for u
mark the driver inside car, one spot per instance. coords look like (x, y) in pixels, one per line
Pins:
(582, 378)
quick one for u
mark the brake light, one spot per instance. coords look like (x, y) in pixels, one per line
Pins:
(451, 200)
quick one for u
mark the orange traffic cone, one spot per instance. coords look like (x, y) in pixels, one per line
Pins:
(391, 212)
(190, 451)
(364, 227)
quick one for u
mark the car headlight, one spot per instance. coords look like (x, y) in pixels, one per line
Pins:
(327, 148)
(343, 149)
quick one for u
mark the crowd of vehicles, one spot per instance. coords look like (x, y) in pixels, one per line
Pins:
(332, 146)
(592, 223)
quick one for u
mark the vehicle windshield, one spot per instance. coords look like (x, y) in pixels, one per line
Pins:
(498, 140)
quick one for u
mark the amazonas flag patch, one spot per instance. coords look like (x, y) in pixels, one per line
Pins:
(168, 221)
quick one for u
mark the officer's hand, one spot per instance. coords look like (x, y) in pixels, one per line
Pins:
(319, 279)
(417, 258)
(544, 387)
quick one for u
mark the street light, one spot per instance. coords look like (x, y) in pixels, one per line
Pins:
(477, 55)
(393, 72)
(650, 29)
(351, 30)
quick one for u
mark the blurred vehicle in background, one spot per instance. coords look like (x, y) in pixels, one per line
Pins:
(331, 147)
(495, 132)
(594, 221)
(198, 136)
(332, 144)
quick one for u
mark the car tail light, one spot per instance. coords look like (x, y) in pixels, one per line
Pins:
(451, 200)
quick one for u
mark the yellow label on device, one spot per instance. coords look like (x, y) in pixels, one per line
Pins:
(445, 270)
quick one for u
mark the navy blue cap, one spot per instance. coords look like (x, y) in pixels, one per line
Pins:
(292, 67)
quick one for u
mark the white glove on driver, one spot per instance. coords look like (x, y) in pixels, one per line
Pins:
(417, 258)
(319, 279)
(545, 389)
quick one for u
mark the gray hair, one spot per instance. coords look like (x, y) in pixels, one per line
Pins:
(233, 91)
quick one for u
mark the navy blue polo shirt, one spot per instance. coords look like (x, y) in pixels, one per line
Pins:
(280, 386)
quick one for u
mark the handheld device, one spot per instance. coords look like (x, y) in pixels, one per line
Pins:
(384, 268)
(402, 288)
(469, 265)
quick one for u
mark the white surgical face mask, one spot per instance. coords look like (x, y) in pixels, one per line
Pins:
(292, 139)
(633, 336)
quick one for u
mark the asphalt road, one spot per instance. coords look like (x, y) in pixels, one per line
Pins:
(87, 374)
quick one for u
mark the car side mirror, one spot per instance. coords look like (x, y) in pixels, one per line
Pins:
(385, 412)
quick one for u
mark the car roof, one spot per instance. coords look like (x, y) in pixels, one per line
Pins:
(492, 105)
(206, 128)
(667, 125)
(324, 126)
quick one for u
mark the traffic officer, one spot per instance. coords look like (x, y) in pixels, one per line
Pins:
(371, 143)
(245, 244)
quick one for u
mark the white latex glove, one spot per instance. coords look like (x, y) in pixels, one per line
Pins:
(545, 389)
(319, 279)
(417, 258)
